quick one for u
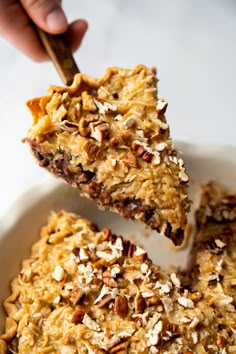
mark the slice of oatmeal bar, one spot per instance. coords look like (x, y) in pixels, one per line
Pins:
(88, 291)
(109, 138)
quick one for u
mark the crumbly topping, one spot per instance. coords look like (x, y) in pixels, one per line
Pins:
(70, 295)
(109, 138)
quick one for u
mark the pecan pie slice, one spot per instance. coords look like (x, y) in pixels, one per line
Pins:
(89, 291)
(109, 138)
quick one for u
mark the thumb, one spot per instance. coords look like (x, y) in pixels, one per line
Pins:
(48, 15)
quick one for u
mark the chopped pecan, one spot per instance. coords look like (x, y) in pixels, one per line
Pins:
(99, 131)
(138, 149)
(121, 306)
(147, 156)
(76, 251)
(104, 301)
(214, 278)
(141, 152)
(76, 296)
(161, 106)
(97, 281)
(108, 279)
(221, 341)
(114, 142)
(120, 348)
(139, 254)
(139, 303)
(130, 159)
(84, 127)
(79, 313)
(92, 150)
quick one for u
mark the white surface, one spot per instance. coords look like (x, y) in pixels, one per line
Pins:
(20, 227)
(191, 42)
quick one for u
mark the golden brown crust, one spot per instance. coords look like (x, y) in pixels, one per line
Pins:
(97, 293)
(109, 138)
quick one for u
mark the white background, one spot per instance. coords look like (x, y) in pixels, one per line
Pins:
(192, 43)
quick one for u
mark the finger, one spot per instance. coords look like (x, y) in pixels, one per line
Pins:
(76, 32)
(47, 15)
(15, 27)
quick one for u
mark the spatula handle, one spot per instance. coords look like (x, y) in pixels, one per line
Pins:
(60, 53)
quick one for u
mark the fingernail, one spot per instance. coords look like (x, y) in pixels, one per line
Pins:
(56, 20)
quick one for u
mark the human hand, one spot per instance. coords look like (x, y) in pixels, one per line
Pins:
(16, 19)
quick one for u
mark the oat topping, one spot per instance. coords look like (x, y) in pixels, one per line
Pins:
(87, 291)
(109, 138)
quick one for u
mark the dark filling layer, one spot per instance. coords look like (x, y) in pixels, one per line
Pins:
(86, 182)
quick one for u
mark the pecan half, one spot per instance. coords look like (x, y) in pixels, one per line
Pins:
(121, 306)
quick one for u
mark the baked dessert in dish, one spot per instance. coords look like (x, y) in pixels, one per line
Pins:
(109, 138)
(89, 291)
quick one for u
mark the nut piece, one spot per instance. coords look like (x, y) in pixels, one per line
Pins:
(120, 348)
(161, 106)
(108, 279)
(139, 303)
(114, 142)
(140, 151)
(77, 295)
(104, 301)
(130, 159)
(99, 131)
(92, 150)
(84, 128)
(221, 341)
(79, 313)
(121, 306)
(139, 254)
(84, 124)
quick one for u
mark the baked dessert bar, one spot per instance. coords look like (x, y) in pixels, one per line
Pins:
(88, 291)
(109, 138)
